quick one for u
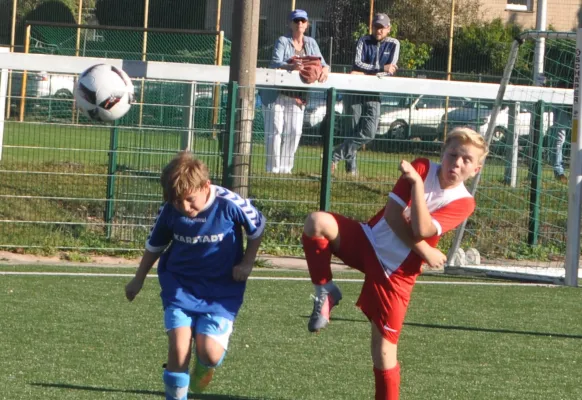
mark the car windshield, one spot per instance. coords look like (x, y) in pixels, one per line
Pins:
(478, 105)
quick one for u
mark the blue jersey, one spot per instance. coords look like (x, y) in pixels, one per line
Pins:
(195, 272)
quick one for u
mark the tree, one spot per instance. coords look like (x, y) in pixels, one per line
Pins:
(428, 21)
(345, 17)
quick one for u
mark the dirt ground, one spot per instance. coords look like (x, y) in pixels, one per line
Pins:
(10, 258)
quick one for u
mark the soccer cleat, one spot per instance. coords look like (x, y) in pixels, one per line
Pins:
(322, 307)
(202, 377)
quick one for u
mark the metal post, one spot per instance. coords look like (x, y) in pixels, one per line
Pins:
(371, 16)
(144, 51)
(218, 12)
(228, 145)
(512, 149)
(216, 93)
(325, 195)
(3, 97)
(449, 66)
(188, 119)
(536, 175)
(24, 76)
(79, 21)
(540, 50)
(12, 40)
(330, 52)
(575, 183)
(111, 171)
(74, 114)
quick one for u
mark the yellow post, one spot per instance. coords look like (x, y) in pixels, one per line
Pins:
(79, 21)
(74, 115)
(218, 12)
(12, 39)
(216, 103)
(292, 5)
(449, 64)
(144, 51)
(371, 16)
(23, 87)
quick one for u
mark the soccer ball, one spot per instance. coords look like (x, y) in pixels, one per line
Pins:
(104, 93)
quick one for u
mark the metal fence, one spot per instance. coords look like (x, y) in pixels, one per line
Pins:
(335, 24)
(74, 185)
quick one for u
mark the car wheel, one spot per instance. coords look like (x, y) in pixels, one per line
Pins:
(63, 94)
(499, 135)
(398, 130)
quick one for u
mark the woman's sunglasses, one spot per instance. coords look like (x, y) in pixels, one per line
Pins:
(298, 20)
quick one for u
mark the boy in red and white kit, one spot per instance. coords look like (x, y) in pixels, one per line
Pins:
(428, 200)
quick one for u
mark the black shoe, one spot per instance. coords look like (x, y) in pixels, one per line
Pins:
(562, 178)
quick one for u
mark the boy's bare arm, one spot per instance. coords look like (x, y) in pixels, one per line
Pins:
(395, 219)
(145, 265)
(420, 219)
(242, 271)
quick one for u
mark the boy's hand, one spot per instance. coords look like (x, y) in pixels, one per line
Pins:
(133, 288)
(435, 258)
(242, 271)
(408, 172)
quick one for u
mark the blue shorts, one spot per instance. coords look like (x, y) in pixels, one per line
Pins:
(216, 327)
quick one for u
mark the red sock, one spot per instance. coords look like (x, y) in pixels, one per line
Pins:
(318, 256)
(387, 383)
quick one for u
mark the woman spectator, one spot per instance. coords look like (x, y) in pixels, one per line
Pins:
(283, 110)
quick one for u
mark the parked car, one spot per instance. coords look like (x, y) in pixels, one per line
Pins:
(477, 115)
(317, 108)
(406, 116)
(42, 84)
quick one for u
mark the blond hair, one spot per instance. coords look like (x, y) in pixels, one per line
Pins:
(465, 135)
(182, 175)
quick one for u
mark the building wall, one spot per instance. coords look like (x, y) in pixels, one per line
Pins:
(562, 14)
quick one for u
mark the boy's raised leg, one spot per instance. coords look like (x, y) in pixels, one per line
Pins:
(319, 227)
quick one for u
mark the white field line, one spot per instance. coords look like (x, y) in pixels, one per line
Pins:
(269, 278)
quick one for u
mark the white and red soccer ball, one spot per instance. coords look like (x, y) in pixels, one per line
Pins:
(104, 93)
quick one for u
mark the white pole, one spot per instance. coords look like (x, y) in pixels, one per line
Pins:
(540, 51)
(575, 183)
(3, 94)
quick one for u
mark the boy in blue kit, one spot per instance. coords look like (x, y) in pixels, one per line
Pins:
(202, 271)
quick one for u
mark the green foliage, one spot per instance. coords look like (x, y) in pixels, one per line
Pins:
(483, 47)
(361, 30)
(413, 56)
(428, 21)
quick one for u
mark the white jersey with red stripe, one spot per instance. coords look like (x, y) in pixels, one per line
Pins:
(447, 207)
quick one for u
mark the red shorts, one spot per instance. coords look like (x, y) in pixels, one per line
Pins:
(383, 299)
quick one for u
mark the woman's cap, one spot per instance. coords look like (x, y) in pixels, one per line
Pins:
(298, 14)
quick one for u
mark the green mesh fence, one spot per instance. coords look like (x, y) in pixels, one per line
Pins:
(68, 183)
(125, 43)
(523, 211)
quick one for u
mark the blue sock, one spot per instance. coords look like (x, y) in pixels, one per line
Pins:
(176, 385)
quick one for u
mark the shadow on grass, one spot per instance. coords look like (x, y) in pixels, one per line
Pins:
(469, 329)
(204, 396)
(339, 319)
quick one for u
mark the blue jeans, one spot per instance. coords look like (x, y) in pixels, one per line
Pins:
(365, 115)
(559, 136)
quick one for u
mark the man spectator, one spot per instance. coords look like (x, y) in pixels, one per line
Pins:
(375, 54)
